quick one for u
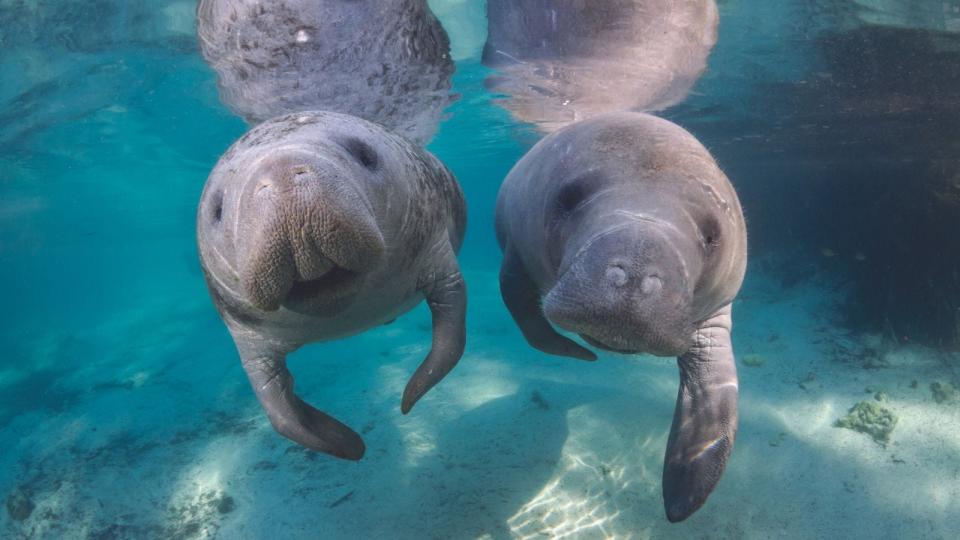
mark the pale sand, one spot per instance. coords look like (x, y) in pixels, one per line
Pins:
(162, 437)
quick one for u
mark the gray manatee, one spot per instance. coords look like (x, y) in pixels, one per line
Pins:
(316, 226)
(561, 61)
(387, 61)
(623, 229)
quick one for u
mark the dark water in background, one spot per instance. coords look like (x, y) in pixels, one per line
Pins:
(837, 121)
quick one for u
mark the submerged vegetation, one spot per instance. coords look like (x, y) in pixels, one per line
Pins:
(19, 505)
(870, 418)
(754, 360)
(943, 392)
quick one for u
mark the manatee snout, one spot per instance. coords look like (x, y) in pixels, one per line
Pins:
(307, 234)
(625, 291)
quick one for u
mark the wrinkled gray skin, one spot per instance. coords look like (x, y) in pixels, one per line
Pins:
(315, 226)
(561, 61)
(623, 229)
(387, 61)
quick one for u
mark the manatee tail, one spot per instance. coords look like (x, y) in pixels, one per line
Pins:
(291, 416)
(705, 419)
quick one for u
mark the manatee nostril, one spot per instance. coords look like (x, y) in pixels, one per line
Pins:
(651, 285)
(301, 174)
(262, 185)
(616, 275)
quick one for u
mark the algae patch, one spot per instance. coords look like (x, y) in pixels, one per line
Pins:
(870, 418)
(19, 505)
(753, 360)
(943, 392)
(879, 394)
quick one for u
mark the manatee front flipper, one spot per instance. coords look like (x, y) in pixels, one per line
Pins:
(705, 419)
(522, 299)
(446, 296)
(266, 367)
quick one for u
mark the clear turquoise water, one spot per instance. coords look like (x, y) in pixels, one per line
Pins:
(124, 412)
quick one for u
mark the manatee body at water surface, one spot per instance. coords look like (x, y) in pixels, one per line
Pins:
(316, 226)
(622, 229)
(560, 61)
(387, 61)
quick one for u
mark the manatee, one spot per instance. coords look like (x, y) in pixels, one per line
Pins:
(315, 226)
(560, 61)
(622, 229)
(385, 61)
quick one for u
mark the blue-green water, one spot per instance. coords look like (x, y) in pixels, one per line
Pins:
(124, 412)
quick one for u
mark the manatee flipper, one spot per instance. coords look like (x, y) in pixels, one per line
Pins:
(446, 295)
(705, 419)
(522, 299)
(266, 367)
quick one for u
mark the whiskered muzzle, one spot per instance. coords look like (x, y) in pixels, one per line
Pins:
(306, 237)
(627, 293)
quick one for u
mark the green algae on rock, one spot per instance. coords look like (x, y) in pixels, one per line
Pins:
(753, 360)
(870, 418)
(19, 505)
(943, 392)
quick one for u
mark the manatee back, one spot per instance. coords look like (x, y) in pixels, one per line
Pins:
(561, 61)
(384, 61)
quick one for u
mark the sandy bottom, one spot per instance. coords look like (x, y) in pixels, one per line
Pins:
(157, 434)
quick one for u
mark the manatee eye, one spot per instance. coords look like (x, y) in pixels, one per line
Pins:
(216, 207)
(570, 197)
(581, 188)
(710, 232)
(362, 152)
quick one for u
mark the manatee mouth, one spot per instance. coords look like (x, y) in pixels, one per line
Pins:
(327, 294)
(657, 347)
(601, 345)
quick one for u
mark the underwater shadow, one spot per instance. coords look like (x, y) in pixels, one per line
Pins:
(495, 459)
